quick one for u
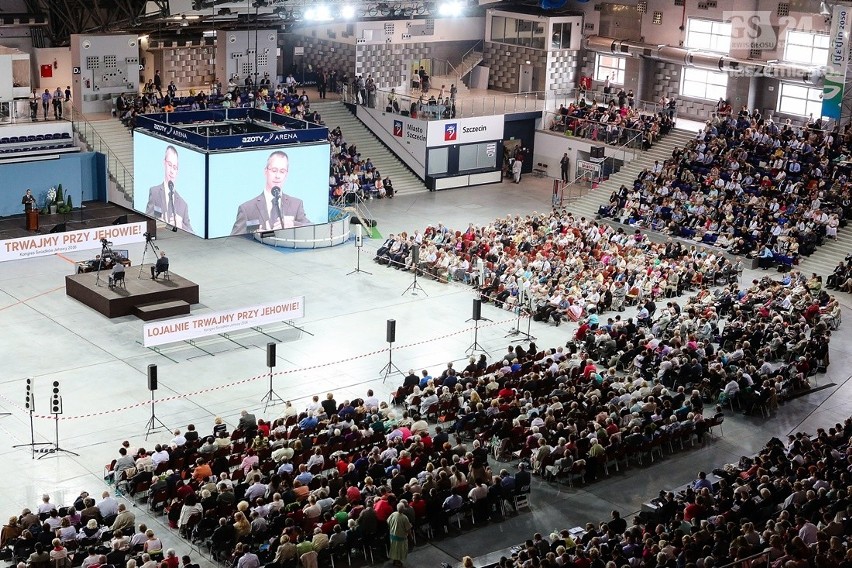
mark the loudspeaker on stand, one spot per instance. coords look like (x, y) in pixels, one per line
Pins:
(391, 331)
(152, 377)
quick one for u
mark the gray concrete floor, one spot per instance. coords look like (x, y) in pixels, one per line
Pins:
(101, 364)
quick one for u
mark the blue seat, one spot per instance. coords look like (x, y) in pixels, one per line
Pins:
(13, 139)
(40, 137)
(31, 138)
(66, 135)
(4, 140)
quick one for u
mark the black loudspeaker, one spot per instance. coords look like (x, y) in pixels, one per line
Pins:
(391, 331)
(60, 228)
(477, 309)
(152, 377)
(120, 220)
(596, 152)
(415, 254)
(270, 354)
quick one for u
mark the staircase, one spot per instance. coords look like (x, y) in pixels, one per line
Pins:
(587, 205)
(822, 261)
(471, 60)
(336, 114)
(114, 140)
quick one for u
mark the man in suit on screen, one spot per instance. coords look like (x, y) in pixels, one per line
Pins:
(164, 202)
(273, 209)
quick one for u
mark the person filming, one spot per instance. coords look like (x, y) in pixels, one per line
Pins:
(161, 266)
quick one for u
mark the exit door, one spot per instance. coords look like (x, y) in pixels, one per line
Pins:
(525, 84)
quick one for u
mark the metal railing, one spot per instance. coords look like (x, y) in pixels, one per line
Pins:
(418, 107)
(595, 131)
(569, 96)
(120, 173)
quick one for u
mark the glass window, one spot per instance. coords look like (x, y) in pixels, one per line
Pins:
(561, 38)
(556, 38)
(806, 47)
(799, 100)
(477, 156)
(538, 32)
(525, 29)
(610, 66)
(438, 159)
(709, 35)
(498, 28)
(703, 84)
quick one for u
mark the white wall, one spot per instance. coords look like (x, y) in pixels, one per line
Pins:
(243, 43)
(410, 151)
(550, 147)
(446, 29)
(61, 71)
(96, 87)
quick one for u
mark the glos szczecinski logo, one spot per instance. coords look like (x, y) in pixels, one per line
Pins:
(450, 132)
(397, 128)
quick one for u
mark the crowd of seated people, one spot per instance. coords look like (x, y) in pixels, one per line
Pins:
(352, 177)
(615, 122)
(748, 185)
(786, 507)
(89, 533)
(556, 265)
(284, 99)
(313, 481)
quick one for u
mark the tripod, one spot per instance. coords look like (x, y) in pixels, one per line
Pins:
(153, 421)
(390, 368)
(522, 310)
(271, 397)
(149, 242)
(414, 286)
(56, 448)
(358, 245)
(475, 345)
(32, 443)
(106, 252)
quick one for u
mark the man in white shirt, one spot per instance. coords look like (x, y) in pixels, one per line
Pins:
(45, 506)
(159, 456)
(108, 505)
(179, 440)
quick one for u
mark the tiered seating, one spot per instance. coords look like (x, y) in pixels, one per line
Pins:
(36, 144)
(787, 506)
(747, 185)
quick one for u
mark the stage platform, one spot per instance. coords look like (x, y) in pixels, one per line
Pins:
(117, 302)
(95, 214)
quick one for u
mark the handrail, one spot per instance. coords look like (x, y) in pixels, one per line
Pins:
(471, 50)
(633, 133)
(460, 108)
(97, 143)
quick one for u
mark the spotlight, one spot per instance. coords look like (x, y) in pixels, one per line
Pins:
(450, 9)
(347, 12)
(319, 14)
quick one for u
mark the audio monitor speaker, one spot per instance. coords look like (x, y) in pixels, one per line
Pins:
(270, 354)
(391, 331)
(152, 377)
(477, 309)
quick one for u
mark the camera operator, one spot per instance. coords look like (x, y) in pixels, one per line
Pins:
(161, 266)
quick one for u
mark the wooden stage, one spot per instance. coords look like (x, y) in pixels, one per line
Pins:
(147, 299)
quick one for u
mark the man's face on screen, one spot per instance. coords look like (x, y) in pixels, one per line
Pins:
(276, 172)
(171, 167)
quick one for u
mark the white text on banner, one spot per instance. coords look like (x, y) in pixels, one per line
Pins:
(193, 327)
(84, 239)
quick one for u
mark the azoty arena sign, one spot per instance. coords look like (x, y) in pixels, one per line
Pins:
(464, 130)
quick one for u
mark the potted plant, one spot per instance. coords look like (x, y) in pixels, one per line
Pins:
(50, 204)
(68, 205)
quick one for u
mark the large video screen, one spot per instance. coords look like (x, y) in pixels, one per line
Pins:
(266, 190)
(168, 183)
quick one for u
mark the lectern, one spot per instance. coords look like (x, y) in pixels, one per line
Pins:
(32, 220)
